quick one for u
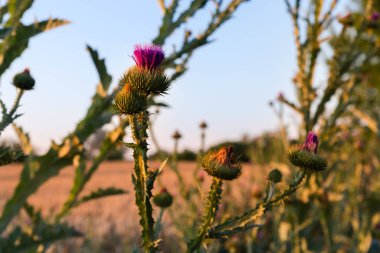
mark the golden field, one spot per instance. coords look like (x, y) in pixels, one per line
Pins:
(119, 213)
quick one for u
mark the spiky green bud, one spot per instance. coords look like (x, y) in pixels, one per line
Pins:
(24, 80)
(163, 199)
(307, 160)
(222, 164)
(149, 81)
(129, 101)
(275, 176)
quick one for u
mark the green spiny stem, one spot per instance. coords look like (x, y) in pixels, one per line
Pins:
(241, 223)
(139, 127)
(213, 201)
(8, 117)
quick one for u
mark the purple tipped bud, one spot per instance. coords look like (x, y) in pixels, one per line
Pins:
(148, 56)
(280, 96)
(311, 143)
(375, 16)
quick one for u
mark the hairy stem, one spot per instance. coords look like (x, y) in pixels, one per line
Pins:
(139, 127)
(243, 222)
(213, 201)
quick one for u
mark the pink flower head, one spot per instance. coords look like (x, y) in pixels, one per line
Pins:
(375, 16)
(148, 56)
(311, 143)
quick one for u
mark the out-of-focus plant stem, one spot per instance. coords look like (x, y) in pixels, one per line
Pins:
(212, 206)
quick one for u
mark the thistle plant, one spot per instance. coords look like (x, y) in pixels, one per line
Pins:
(38, 169)
(138, 84)
(223, 165)
(347, 44)
(23, 82)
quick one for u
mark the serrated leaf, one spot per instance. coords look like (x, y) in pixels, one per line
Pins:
(17, 41)
(24, 140)
(104, 77)
(102, 192)
(162, 166)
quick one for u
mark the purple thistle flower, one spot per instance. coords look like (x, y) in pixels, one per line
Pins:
(311, 143)
(375, 16)
(148, 56)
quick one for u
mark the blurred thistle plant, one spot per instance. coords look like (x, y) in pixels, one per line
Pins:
(22, 81)
(223, 165)
(349, 47)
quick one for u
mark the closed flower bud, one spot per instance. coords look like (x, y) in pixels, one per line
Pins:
(280, 96)
(163, 199)
(222, 164)
(306, 157)
(275, 176)
(373, 20)
(203, 125)
(24, 80)
(375, 16)
(346, 20)
(129, 101)
(150, 82)
(177, 135)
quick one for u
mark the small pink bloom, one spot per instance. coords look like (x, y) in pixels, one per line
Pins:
(311, 143)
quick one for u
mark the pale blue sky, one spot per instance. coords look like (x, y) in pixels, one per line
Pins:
(229, 82)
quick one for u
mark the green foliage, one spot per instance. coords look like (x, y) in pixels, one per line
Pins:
(16, 35)
(40, 233)
(9, 155)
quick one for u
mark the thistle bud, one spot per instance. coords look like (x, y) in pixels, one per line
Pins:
(375, 16)
(280, 96)
(24, 80)
(346, 20)
(163, 199)
(148, 81)
(177, 135)
(129, 101)
(306, 157)
(373, 20)
(275, 176)
(203, 125)
(222, 164)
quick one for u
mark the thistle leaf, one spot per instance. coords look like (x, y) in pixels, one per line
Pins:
(100, 193)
